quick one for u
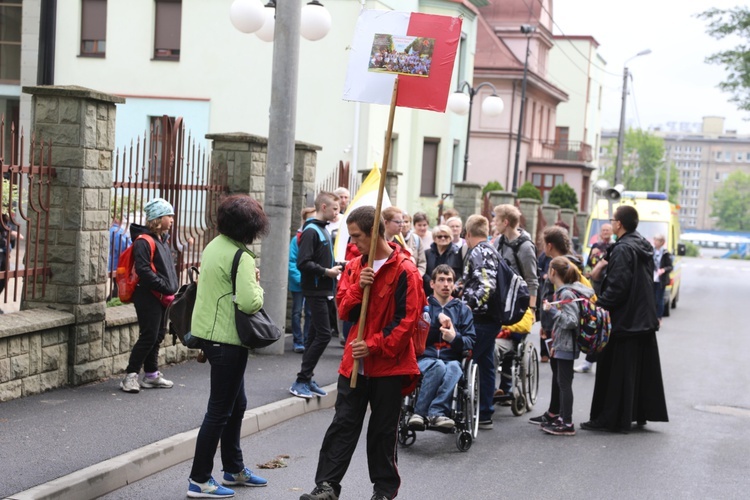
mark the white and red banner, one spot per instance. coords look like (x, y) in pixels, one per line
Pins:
(418, 49)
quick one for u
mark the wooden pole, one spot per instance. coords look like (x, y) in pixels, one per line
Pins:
(375, 228)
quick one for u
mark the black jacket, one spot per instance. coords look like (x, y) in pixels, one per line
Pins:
(665, 263)
(313, 258)
(165, 279)
(627, 288)
(451, 257)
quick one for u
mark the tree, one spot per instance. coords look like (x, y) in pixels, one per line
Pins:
(731, 203)
(563, 196)
(643, 154)
(492, 186)
(528, 190)
(721, 24)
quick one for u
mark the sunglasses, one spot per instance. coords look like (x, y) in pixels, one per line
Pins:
(442, 237)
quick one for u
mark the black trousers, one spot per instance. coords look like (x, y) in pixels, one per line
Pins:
(563, 376)
(321, 310)
(384, 396)
(145, 353)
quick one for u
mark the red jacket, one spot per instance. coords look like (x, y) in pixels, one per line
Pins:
(392, 316)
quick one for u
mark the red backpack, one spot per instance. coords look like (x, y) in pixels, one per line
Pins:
(125, 276)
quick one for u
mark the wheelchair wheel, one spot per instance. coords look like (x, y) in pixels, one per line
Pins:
(530, 375)
(406, 437)
(472, 402)
(518, 405)
(464, 440)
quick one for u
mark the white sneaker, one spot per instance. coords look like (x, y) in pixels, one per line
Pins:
(130, 383)
(416, 422)
(158, 382)
(584, 367)
(443, 422)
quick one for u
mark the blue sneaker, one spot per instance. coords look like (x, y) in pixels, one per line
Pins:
(209, 489)
(301, 390)
(243, 478)
(299, 348)
(315, 389)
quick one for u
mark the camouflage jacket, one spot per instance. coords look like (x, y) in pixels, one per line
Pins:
(479, 279)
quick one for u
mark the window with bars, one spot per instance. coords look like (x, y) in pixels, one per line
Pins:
(93, 28)
(168, 30)
(545, 182)
(10, 42)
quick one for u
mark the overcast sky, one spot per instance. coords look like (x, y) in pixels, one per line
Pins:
(672, 84)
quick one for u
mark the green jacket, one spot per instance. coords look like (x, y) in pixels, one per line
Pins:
(213, 315)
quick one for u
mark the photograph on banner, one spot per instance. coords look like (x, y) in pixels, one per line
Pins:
(402, 55)
(418, 50)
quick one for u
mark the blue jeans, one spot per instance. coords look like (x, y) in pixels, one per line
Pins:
(484, 357)
(226, 407)
(436, 392)
(299, 334)
(659, 299)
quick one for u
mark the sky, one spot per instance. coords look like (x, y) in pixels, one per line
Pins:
(673, 83)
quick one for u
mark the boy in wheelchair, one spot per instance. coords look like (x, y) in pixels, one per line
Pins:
(451, 334)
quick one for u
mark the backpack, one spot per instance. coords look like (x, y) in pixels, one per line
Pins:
(125, 276)
(515, 246)
(511, 298)
(594, 325)
(180, 311)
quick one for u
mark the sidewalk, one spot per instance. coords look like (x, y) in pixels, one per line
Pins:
(51, 435)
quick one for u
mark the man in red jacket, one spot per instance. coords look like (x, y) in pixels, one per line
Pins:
(387, 364)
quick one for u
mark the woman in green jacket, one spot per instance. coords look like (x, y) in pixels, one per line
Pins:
(240, 221)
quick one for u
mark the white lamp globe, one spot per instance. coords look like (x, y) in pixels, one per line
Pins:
(266, 31)
(315, 22)
(247, 15)
(459, 103)
(492, 106)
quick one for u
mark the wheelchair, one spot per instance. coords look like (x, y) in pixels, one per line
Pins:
(464, 410)
(524, 373)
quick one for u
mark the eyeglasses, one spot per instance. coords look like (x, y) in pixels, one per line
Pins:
(442, 237)
(614, 220)
(397, 222)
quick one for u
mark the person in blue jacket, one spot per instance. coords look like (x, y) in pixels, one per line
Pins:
(451, 333)
(299, 335)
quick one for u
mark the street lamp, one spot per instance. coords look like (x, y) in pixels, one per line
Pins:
(621, 134)
(527, 30)
(249, 16)
(460, 103)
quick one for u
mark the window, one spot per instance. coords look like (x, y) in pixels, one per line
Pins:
(429, 165)
(718, 156)
(747, 156)
(93, 28)
(678, 148)
(687, 149)
(698, 149)
(10, 42)
(168, 29)
(717, 177)
(545, 182)
(457, 165)
(727, 156)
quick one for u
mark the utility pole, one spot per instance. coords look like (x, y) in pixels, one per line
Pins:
(280, 162)
(621, 133)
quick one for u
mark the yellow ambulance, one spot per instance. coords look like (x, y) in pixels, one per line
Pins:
(657, 216)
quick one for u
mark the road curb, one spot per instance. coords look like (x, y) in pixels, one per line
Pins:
(110, 475)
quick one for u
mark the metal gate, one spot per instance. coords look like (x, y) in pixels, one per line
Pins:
(165, 163)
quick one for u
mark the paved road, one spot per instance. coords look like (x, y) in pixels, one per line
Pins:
(701, 453)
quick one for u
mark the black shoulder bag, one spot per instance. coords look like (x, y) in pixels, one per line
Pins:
(255, 330)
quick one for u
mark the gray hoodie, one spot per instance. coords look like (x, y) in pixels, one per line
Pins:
(567, 320)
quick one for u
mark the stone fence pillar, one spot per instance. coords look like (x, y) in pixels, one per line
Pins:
(567, 215)
(80, 124)
(502, 198)
(582, 219)
(550, 213)
(391, 185)
(244, 158)
(467, 199)
(530, 211)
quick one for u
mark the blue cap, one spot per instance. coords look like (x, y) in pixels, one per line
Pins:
(156, 208)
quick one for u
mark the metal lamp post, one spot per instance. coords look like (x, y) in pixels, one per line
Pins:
(461, 101)
(290, 20)
(526, 29)
(621, 133)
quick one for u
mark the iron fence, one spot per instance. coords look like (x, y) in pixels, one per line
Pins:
(165, 163)
(24, 216)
